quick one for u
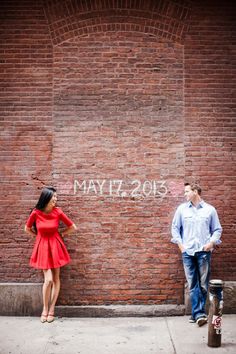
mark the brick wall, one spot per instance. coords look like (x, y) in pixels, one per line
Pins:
(210, 126)
(117, 96)
(26, 126)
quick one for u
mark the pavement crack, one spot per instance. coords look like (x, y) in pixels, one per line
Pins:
(171, 339)
(47, 344)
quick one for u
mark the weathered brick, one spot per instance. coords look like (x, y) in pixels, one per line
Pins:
(94, 91)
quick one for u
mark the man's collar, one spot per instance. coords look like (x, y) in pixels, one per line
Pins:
(200, 205)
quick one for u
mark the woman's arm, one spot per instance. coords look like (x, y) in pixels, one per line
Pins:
(69, 230)
(29, 231)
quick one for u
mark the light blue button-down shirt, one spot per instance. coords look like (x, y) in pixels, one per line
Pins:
(194, 227)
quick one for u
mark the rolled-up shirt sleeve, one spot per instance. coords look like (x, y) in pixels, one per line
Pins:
(215, 228)
(176, 228)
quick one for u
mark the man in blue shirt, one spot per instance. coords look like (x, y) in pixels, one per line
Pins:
(196, 230)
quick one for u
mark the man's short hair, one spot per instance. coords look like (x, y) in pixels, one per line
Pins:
(194, 187)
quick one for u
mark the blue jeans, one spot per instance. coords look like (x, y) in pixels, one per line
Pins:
(197, 272)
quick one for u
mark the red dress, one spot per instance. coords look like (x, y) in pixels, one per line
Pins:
(49, 249)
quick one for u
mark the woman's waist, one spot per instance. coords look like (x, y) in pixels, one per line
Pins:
(47, 234)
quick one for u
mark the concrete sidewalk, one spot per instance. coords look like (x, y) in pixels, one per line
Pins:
(139, 335)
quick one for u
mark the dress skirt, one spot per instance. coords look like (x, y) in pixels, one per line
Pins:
(49, 252)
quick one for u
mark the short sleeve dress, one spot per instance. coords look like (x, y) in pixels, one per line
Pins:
(49, 250)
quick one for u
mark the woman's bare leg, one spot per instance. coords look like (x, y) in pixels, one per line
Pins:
(47, 286)
(55, 289)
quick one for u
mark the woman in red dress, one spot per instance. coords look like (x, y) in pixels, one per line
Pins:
(49, 253)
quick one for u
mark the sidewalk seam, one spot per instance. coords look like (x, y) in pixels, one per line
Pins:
(171, 339)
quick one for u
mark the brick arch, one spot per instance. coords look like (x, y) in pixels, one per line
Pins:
(71, 18)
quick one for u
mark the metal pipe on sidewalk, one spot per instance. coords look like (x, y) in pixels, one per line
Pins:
(215, 312)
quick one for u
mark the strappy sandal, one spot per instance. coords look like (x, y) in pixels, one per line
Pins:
(44, 317)
(50, 317)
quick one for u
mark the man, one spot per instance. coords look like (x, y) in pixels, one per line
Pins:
(196, 230)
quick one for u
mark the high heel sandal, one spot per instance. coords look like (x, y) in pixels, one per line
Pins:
(44, 317)
(50, 317)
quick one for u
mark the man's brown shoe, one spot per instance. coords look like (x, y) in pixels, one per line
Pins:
(201, 321)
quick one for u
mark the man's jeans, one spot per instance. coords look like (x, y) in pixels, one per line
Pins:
(197, 272)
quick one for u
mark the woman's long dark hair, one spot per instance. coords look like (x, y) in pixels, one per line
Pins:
(44, 199)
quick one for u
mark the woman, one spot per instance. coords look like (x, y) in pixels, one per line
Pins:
(49, 253)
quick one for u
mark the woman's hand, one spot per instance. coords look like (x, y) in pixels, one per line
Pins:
(68, 231)
(29, 231)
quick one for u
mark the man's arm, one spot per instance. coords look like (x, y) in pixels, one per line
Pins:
(176, 230)
(215, 230)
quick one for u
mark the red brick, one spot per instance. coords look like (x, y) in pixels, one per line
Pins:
(117, 90)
